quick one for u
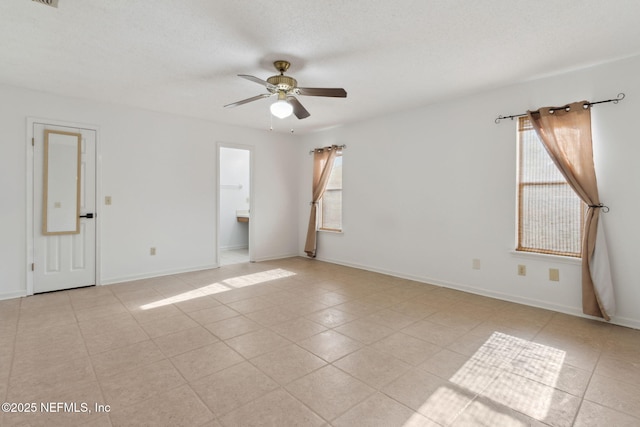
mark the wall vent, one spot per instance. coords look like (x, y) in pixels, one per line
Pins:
(52, 3)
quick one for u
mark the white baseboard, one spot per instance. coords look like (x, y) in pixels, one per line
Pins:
(13, 294)
(574, 311)
(275, 257)
(233, 248)
(114, 280)
(625, 321)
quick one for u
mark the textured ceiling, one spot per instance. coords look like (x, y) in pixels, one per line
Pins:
(183, 56)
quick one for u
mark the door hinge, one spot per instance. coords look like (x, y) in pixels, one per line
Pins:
(33, 266)
(33, 142)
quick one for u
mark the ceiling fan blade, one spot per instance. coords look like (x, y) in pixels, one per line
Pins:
(259, 81)
(299, 111)
(244, 101)
(319, 91)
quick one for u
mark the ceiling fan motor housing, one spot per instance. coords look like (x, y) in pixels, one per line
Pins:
(284, 83)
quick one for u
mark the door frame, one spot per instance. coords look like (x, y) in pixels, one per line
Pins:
(30, 255)
(250, 149)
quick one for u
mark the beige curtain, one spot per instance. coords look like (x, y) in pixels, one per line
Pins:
(322, 165)
(566, 135)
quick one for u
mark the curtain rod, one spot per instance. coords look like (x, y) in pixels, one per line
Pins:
(340, 147)
(620, 97)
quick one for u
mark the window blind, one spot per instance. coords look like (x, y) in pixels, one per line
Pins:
(550, 214)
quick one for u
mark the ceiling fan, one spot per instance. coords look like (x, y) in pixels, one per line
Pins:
(285, 87)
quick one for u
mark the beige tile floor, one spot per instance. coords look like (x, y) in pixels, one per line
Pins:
(301, 342)
(234, 256)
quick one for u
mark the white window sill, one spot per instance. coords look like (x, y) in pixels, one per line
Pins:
(331, 231)
(547, 257)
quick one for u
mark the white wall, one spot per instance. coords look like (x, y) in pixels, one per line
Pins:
(160, 171)
(235, 167)
(426, 191)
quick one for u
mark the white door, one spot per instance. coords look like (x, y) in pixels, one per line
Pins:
(64, 261)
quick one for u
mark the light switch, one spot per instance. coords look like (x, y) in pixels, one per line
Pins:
(107, 200)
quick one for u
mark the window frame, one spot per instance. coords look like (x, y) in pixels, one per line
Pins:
(321, 226)
(520, 248)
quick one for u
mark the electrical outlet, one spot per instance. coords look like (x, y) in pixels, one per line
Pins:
(475, 264)
(152, 251)
(522, 270)
(554, 274)
(107, 200)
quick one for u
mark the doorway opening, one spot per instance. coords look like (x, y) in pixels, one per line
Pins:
(234, 204)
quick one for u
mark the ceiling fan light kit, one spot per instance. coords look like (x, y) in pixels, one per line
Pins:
(281, 108)
(285, 88)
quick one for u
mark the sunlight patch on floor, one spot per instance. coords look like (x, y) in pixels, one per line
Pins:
(445, 404)
(514, 372)
(255, 278)
(185, 296)
(506, 370)
(483, 414)
(222, 286)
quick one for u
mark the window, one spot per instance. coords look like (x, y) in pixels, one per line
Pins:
(331, 203)
(550, 214)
